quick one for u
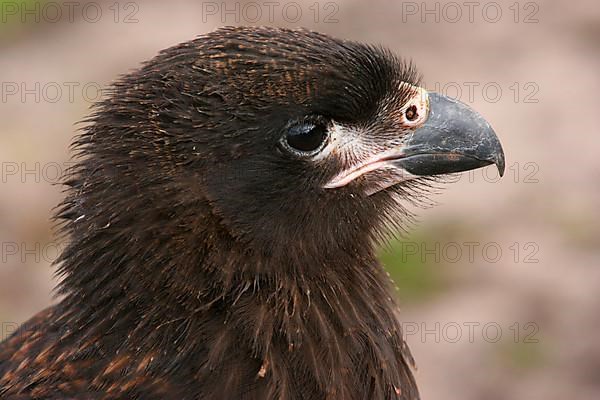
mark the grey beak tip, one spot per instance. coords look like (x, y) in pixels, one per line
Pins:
(500, 164)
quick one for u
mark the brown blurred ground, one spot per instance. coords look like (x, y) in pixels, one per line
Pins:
(547, 205)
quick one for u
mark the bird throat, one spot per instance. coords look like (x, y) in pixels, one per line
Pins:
(190, 292)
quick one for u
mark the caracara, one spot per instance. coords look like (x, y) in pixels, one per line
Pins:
(222, 218)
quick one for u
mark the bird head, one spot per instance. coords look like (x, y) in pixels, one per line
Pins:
(290, 138)
(316, 141)
(258, 158)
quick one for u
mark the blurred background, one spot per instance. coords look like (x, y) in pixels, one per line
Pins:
(499, 283)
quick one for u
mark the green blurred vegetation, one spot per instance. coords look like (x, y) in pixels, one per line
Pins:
(521, 355)
(411, 261)
(18, 17)
(14, 10)
(579, 230)
(417, 278)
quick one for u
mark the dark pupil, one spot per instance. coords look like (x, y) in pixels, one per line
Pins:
(411, 113)
(306, 137)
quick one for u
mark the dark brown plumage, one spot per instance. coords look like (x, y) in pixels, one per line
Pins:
(222, 217)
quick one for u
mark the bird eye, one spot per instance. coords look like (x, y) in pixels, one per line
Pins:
(306, 138)
(417, 109)
(411, 113)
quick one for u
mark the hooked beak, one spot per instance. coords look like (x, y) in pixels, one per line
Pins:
(454, 138)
